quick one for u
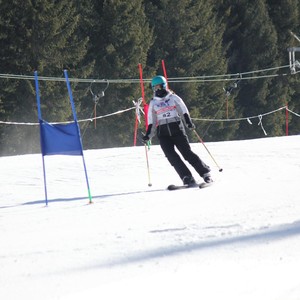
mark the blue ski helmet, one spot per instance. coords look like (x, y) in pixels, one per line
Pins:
(159, 80)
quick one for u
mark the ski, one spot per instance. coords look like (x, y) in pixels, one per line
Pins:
(205, 184)
(173, 187)
(202, 185)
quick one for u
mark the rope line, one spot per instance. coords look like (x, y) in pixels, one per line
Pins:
(238, 75)
(18, 123)
(108, 115)
(245, 118)
(135, 107)
(293, 112)
(68, 122)
(202, 78)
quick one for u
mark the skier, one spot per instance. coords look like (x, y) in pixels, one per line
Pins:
(166, 115)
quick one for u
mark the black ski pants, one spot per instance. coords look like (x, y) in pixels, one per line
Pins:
(168, 144)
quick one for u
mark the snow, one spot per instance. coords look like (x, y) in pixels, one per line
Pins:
(238, 239)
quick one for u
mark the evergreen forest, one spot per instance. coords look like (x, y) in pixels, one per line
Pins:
(228, 60)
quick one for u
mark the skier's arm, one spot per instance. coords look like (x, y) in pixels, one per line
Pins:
(151, 120)
(184, 112)
(188, 121)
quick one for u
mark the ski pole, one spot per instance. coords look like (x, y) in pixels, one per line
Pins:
(148, 168)
(201, 141)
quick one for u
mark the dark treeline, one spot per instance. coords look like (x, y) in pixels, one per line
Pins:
(107, 39)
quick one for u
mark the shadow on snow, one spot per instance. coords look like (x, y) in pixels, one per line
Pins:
(81, 198)
(279, 232)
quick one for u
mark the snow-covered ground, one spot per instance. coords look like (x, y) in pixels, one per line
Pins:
(239, 239)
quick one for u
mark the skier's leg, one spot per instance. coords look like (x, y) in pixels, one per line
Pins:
(184, 147)
(169, 150)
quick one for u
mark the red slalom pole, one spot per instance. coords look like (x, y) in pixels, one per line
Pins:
(146, 106)
(143, 95)
(286, 120)
(142, 84)
(144, 103)
(165, 71)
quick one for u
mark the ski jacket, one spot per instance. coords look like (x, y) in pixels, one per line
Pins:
(166, 115)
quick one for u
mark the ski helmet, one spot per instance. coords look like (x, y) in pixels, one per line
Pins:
(159, 80)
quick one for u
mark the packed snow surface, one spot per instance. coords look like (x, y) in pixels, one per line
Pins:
(238, 239)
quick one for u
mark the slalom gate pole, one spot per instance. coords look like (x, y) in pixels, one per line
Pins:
(78, 132)
(165, 71)
(38, 100)
(286, 120)
(201, 141)
(142, 83)
(146, 119)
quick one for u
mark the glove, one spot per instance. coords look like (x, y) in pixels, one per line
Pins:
(188, 121)
(191, 126)
(145, 139)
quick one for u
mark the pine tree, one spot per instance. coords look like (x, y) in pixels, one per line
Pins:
(107, 39)
(190, 42)
(38, 35)
(253, 46)
(285, 17)
(120, 41)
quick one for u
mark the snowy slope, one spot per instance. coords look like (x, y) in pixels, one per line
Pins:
(239, 239)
